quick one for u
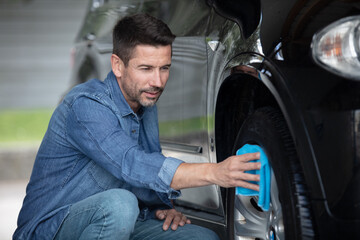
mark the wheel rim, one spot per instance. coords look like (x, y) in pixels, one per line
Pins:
(250, 222)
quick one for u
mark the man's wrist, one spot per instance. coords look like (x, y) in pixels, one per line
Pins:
(209, 173)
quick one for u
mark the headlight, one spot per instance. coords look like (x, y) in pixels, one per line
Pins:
(337, 47)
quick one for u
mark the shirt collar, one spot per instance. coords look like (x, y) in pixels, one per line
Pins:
(119, 99)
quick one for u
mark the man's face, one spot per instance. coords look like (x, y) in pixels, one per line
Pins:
(145, 77)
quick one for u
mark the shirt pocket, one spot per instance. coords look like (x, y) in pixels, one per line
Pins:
(103, 178)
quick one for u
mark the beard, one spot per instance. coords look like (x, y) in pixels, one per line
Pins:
(147, 101)
(136, 95)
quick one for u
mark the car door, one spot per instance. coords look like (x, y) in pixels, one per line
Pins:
(183, 119)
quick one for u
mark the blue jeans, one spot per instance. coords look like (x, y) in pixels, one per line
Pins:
(112, 214)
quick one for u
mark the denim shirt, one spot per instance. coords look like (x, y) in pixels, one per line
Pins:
(95, 142)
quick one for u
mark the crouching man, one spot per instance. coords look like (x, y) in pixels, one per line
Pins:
(99, 172)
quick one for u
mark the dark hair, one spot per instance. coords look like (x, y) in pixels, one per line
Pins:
(139, 29)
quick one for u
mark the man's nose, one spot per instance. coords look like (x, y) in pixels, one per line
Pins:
(156, 79)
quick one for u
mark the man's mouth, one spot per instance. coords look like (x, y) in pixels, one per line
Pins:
(152, 93)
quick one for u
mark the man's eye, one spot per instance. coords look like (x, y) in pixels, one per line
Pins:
(145, 69)
(165, 68)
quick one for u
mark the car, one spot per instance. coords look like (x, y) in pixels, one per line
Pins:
(281, 74)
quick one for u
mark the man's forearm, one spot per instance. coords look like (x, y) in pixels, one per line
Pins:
(190, 175)
(229, 173)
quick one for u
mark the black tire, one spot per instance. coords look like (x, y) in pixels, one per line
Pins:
(290, 215)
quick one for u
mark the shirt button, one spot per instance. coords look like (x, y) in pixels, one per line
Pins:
(133, 131)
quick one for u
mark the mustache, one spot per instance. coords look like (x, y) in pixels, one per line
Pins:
(152, 89)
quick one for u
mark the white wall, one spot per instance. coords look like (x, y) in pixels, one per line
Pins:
(36, 37)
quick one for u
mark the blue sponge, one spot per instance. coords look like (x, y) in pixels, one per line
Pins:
(265, 177)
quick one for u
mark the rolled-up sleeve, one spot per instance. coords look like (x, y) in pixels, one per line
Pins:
(166, 174)
(96, 131)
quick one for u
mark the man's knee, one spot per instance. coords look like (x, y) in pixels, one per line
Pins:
(121, 205)
(117, 211)
(107, 214)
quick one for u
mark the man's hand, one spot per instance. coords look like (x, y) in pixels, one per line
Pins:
(231, 171)
(172, 216)
(228, 173)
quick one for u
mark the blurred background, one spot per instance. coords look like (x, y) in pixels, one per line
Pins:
(36, 37)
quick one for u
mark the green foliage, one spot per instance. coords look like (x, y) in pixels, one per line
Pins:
(186, 126)
(23, 125)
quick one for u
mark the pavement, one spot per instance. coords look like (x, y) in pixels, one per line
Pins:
(16, 163)
(12, 194)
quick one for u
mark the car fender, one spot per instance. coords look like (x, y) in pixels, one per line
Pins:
(268, 76)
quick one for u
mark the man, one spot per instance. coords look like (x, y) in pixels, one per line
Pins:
(99, 172)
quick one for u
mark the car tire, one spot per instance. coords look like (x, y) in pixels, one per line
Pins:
(290, 215)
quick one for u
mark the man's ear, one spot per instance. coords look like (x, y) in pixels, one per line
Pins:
(117, 65)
